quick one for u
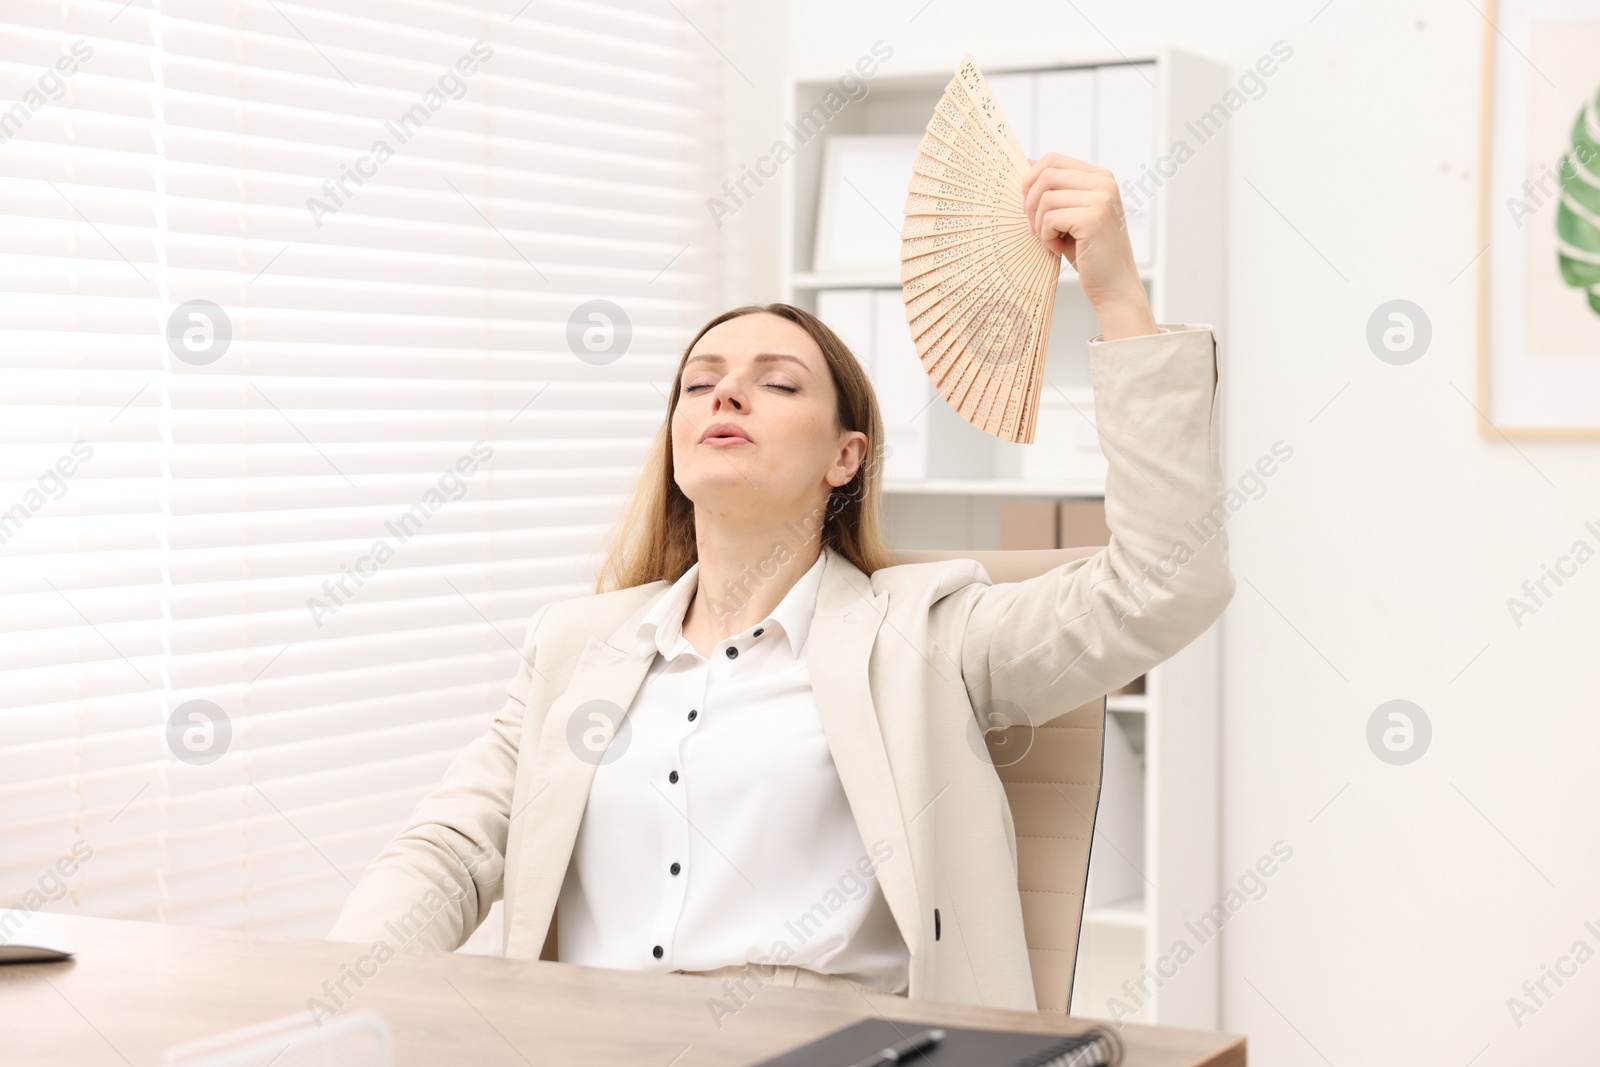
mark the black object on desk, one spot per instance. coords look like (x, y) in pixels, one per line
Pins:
(901, 1051)
(962, 1047)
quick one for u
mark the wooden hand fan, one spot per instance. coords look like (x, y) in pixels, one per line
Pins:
(979, 286)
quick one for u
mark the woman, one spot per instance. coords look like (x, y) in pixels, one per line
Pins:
(750, 754)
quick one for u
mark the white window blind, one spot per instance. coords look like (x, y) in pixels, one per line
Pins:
(384, 361)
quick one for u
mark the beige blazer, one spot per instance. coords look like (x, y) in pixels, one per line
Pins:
(905, 663)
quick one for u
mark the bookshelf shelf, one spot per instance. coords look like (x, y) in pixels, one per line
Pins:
(1127, 912)
(1133, 703)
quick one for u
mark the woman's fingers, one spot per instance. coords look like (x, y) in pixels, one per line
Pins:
(1071, 222)
(1061, 229)
(1056, 159)
(1051, 200)
(1070, 195)
(1063, 178)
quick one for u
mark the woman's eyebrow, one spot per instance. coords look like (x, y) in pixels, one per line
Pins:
(761, 357)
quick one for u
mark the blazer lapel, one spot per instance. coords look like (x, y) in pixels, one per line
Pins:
(609, 670)
(843, 629)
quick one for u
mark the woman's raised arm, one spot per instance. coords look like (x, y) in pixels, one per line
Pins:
(1053, 642)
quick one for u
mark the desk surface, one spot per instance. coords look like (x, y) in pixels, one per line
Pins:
(135, 988)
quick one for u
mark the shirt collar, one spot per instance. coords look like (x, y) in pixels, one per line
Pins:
(662, 628)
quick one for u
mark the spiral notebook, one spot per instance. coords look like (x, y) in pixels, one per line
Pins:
(961, 1047)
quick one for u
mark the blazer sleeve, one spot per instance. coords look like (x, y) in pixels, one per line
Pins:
(1056, 641)
(433, 883)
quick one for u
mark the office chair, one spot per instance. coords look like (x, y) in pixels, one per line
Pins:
(1054, 792)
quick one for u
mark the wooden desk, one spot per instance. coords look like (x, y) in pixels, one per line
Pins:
(135, 988)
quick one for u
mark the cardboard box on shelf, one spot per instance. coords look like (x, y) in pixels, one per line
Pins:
(1025, 523)
(1082, 522)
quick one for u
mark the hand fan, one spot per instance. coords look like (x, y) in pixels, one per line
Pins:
(979, 286)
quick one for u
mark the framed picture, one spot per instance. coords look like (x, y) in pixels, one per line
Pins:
(1539, 221)
(862, 200)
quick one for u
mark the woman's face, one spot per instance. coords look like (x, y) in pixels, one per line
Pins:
(762, 377)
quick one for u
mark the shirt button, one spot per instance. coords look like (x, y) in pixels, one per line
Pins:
(657, 952)
(673, 777)
(692, 714)
(757, 633)
(733, 653)
(675, 868)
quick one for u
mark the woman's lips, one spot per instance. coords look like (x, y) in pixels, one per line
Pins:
(726, 442)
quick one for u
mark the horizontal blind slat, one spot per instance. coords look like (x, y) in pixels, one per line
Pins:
(201, 545)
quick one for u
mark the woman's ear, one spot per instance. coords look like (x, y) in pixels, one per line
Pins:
(848, 474)
(852, 455)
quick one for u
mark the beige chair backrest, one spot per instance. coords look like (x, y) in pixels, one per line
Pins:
(1054, 791)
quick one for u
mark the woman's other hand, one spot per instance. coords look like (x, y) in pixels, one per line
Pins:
(1075, 208)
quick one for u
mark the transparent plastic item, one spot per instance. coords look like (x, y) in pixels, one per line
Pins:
(359, 1039)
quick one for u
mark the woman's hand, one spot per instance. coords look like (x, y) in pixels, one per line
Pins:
(1075, 208)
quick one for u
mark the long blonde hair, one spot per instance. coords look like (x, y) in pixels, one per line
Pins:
(654, 537)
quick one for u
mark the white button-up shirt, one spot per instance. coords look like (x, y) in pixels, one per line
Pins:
(722, 834)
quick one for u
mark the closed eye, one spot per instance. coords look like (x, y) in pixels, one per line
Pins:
(770, 385)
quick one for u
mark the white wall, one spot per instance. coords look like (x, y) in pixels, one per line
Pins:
(1378, 563)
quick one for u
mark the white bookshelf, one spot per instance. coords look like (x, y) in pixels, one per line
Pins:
(1165, 819)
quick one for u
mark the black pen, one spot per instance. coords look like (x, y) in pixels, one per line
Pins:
(902, 1051)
